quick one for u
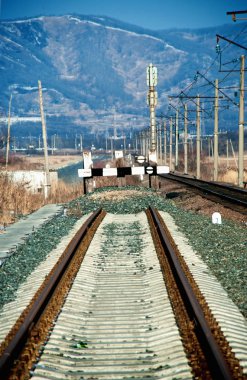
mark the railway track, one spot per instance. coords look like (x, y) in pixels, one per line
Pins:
(129, 307)
(232, 197)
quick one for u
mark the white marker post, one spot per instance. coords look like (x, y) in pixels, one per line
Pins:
(216, 218)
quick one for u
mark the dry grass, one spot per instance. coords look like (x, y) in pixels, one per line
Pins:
(225, 174)
(16, 200)
(116, 195)
(231, 176)
(65, 192)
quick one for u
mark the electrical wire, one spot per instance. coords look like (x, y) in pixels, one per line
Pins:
(191, 85)
(239, 34)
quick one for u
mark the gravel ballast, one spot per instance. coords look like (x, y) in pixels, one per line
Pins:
(222, 246)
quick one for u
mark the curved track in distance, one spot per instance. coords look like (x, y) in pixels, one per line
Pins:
(230, 196)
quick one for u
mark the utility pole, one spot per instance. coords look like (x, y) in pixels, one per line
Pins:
(146, 142)
(141, 139)
(227, 155)
(176, 141)
(8, 137)
(142, 144)
(185, 139)
(198, 124)
(152, 101)
(241, 126)
(198, 138)
(81, 142)
(170, 161)
(160, 141)
(216, 130)
(112, 148)
(106, 138)
(165, 142)
(233, 153)
(47, 173)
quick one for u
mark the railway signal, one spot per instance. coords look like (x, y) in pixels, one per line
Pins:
(152, 79)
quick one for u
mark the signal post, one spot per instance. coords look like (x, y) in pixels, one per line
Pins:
(152, 102)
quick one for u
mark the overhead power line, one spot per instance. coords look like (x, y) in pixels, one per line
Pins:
(230, 41)
(236, 104)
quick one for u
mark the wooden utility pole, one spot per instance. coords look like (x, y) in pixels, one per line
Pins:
(170, 161)
(185, 139)
(176, 141)
(144, 143)
(112, 148)
(157, 141)
(8, 137)
(198, 128)
(147, 142)
(227, 154)
(241, 127)
(216, 130)
(198, 139)
(81, 142)
(165, 162)
(160, 133)
(141, 143)
(234, 155)
(47, 173)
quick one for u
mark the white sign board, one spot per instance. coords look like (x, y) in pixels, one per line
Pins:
(163, 169)
(87, 158)
(84, 172)
(118, 154)
(109, 172)
(138, 170)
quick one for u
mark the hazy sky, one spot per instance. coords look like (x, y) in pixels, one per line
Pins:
(152, 14)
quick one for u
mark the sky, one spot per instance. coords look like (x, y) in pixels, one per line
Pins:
(151, 14)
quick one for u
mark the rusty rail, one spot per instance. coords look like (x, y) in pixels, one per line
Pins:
(218, 366)
(233, 195)
(15, 346)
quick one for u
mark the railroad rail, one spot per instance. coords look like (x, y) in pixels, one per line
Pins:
(15, 341)
(233, 197)
(110, 315)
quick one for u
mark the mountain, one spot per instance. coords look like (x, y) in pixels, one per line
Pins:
(93, 69)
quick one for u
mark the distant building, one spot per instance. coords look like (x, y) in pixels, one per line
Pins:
(33, 180)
